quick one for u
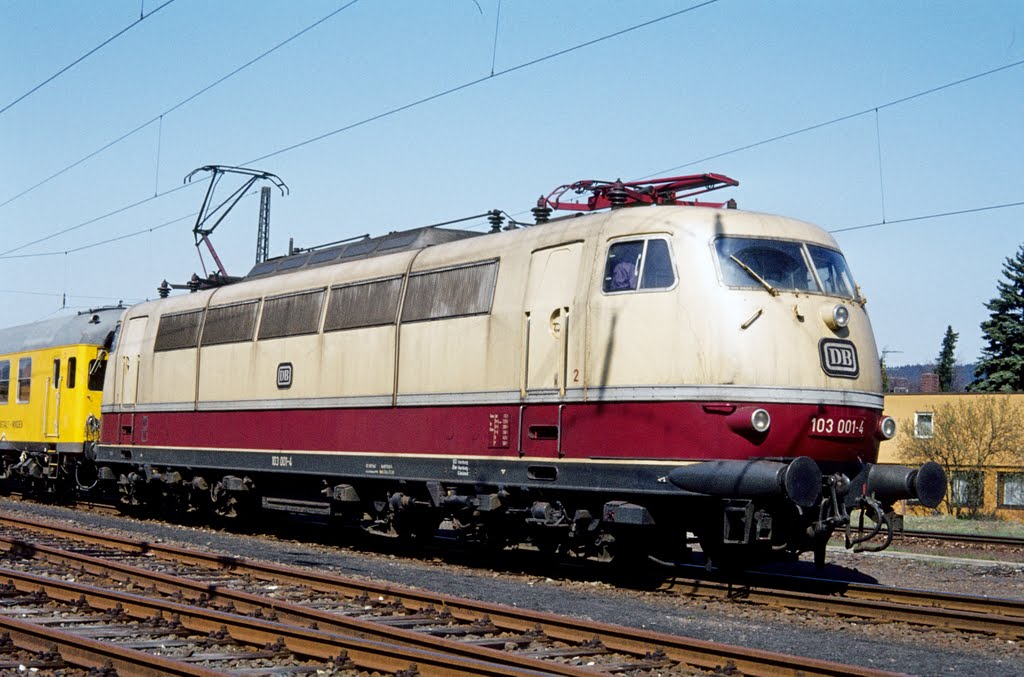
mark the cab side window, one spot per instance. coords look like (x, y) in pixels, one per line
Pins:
(639, 264)
(97, 372)
(5, 381)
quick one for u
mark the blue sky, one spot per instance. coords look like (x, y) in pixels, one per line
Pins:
(651, 101)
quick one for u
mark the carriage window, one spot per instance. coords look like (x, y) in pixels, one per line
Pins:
(56, 373)
(180, 330)
(756, 263)
(292, 314)
(97, 370)
(72, 366)
(5, 381)
(832, 271)
(365, 304)
(232, 323)
(24, 379)
(450, 292)
(639, 264)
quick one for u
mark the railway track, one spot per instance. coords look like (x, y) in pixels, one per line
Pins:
(972, 539)
(1003, 618)
(272, 608)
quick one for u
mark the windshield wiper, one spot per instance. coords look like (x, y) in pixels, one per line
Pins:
(750, 271)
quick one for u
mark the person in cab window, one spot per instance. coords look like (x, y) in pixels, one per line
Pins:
(623, 276)
(623, 269)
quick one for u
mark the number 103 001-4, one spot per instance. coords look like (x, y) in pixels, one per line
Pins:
(840, 427)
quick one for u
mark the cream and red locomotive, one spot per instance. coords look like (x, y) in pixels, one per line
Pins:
(608, 382)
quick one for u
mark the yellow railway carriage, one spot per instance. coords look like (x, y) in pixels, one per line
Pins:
(51, 383)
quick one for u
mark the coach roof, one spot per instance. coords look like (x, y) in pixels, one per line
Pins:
(88, 328)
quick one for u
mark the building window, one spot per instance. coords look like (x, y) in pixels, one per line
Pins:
(179, 330)
(292, 314)
(450, 292)
(967, 489)
(24, 379)
(639, 264)
(5, 381)
(1011, 490)
(924, 426)
(364, 304)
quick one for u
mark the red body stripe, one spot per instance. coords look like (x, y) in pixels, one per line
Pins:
(628, 430)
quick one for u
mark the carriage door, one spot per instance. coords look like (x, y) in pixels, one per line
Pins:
(549, 366)
(127, 380)
(51, 405)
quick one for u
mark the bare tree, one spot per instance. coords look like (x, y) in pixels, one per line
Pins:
(966, 436)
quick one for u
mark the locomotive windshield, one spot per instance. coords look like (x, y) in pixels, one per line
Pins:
(780, 265)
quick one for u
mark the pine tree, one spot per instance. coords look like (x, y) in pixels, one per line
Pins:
(947, 359)
(1001, 367)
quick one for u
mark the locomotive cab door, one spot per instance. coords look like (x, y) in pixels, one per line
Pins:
(127, 378)
(549, 366)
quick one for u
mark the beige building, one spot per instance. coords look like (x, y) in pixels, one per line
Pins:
(997, 489)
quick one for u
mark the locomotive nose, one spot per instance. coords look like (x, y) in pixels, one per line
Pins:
(799, 480)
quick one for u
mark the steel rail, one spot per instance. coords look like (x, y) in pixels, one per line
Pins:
(979, 539)
(283, 611)
(693, 652)
(89, 653)
(989, 615)
(307, 642)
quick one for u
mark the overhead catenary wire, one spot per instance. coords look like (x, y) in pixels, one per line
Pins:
(119, 210)
(873, 109)
(142, 17)
(837, 120)
(477, 81)
(110, 240)
(922, 217)
(183, 102)
(5, 254)
(57, 294)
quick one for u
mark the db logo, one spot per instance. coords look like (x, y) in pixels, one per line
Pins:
(839, 358)
(284, 375)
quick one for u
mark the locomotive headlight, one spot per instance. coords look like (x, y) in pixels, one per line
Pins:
(887, 427)
(839, 317)
(760, 420)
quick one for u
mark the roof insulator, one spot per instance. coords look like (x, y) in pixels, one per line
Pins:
(495, 218)
(542, 212)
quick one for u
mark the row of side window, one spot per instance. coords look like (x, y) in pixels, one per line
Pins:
(24, 382)
(23, 386)
(431, 295)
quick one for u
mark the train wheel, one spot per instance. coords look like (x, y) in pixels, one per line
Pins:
(415, 526)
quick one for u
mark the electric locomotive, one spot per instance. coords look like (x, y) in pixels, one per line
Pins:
(608, 384)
